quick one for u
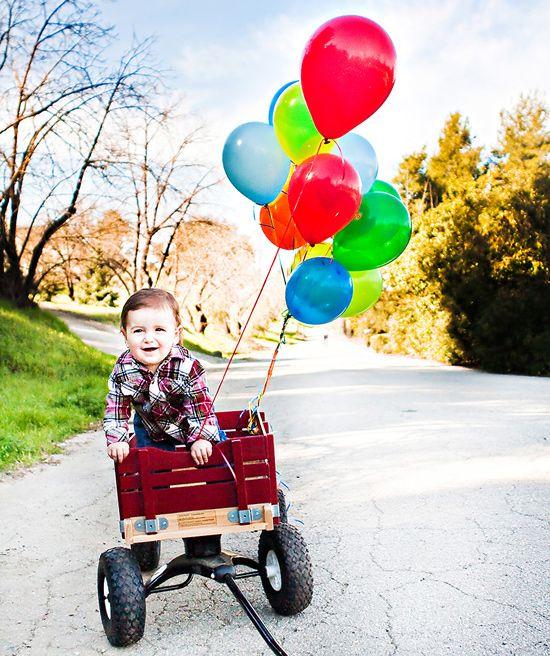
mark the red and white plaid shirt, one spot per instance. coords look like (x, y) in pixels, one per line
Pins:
(174, 401)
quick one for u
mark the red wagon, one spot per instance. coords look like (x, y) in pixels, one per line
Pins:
(163, 495)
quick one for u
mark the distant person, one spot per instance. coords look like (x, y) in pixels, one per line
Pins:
(161, 381)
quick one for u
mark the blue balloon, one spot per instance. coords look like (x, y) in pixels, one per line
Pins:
(255, 163)
(274, 100)
(318, 291)
(360, 154)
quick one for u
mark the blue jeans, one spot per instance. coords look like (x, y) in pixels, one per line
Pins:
(143, 439)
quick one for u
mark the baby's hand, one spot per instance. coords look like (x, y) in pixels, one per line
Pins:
(118, 451)
(200, 451)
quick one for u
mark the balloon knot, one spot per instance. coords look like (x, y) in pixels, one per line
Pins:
(326, 141)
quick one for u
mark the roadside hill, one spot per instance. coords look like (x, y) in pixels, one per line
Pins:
(53, 385)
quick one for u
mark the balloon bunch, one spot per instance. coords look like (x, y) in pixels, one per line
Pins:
(316, 180)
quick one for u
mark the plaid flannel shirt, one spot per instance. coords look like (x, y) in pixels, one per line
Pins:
(174, 401)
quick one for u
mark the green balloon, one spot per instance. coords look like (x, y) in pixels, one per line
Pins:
(377, 237)
(367, 287)
(294, 127)
(386, 187)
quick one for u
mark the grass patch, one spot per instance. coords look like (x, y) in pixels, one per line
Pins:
(110, 315)
(200, 343)
(54, 385)
(271, 333)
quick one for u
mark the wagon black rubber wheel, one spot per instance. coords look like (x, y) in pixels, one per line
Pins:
(285, 569)
(283, 514)
(121, 596)
(147, 554)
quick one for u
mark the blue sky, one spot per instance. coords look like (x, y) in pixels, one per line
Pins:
(229, 58)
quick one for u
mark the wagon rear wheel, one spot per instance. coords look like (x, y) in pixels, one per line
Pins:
(121, 596)
(285, 569)
(147, 554)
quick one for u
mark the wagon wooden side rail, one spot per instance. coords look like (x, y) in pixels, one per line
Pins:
(163, 495)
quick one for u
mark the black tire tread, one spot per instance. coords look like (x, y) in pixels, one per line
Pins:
(147, 554)
(296, 571)
(126, 595)
(283, 513)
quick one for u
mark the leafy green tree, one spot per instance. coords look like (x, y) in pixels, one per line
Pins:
(456, 162)
(474, 283)
(512, 334)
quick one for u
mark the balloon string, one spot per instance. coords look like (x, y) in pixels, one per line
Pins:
(342, 159)
(270, 216)
(282, 340)
(254, 417)
(282, 269)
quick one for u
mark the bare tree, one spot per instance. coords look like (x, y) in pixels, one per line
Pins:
(58, 97)
(82, 248)
(159, 184)
(216, 278)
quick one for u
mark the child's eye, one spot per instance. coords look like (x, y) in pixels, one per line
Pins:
(138, 330)
(162, 330)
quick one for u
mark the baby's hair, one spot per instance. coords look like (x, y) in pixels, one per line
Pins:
(150, 297)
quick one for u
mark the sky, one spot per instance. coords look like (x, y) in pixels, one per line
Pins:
(229, 58)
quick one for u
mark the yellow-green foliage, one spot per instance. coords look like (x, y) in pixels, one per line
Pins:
(473, 287)
(53, 385)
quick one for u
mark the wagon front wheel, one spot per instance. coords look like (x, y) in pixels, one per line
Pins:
(285, 569)
(121, 596)
(283, 506)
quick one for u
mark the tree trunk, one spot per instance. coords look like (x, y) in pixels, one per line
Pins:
(13, 288)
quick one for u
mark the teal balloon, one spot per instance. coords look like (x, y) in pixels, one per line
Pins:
(386, 187)
(360, 154)
(255, 163)
(318, 291)
(379, 234)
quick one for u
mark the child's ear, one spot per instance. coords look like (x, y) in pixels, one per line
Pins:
(123, 333)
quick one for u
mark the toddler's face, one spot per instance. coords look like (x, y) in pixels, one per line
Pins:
(150, 334)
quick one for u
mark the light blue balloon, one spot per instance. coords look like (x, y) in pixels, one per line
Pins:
(360, 154)
(318, 291)
(255, 163)
(275, 98)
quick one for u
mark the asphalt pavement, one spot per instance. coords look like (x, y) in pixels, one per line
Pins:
(422, 491)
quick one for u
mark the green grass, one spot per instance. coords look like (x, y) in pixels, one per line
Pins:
(110, 315)
(271, 333)
(53, 385)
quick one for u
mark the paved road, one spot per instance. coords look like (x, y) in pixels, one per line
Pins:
(424, 492)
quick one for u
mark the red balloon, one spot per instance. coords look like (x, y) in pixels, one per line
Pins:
(347, 73)
(278, 225)
(324, 195)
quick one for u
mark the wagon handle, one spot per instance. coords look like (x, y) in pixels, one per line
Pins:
(253, 615)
